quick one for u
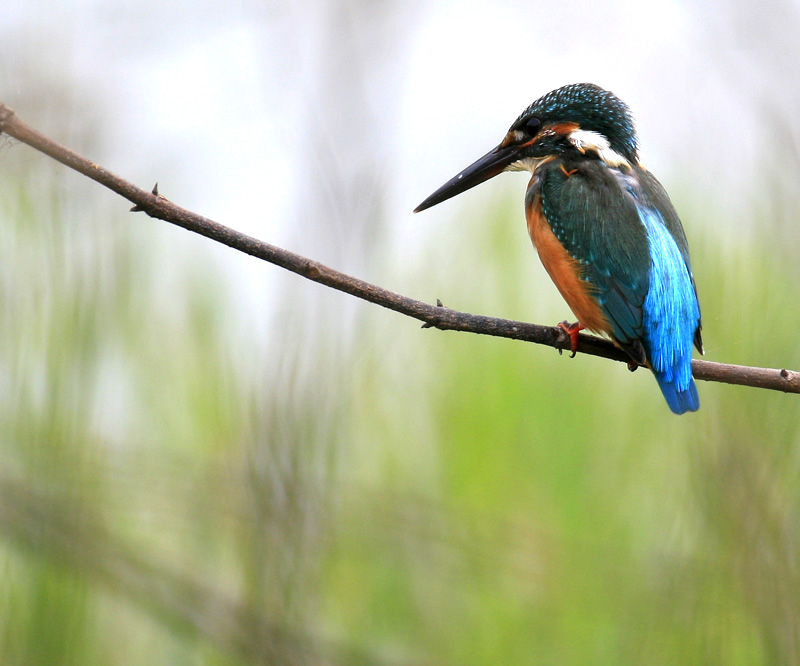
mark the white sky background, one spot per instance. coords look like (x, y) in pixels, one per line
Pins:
(238, 109)
(221, 91)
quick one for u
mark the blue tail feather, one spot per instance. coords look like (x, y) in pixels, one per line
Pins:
(679, 401)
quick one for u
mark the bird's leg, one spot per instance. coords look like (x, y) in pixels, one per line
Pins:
(572, 331)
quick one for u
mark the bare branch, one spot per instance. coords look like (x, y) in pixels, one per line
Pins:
(433, 316)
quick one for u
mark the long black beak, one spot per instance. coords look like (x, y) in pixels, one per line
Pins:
(488, 166)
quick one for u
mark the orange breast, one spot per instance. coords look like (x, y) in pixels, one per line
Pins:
(565, 271)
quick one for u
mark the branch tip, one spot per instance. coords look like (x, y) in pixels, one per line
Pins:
(6, 113)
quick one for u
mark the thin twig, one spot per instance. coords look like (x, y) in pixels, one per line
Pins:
(433, 316)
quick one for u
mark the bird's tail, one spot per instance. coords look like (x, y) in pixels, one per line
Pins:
(679, 401)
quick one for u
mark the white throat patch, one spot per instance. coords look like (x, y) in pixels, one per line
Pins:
(528, 164)
(585, 140)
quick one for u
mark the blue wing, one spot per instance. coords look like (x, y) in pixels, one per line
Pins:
(671, 316)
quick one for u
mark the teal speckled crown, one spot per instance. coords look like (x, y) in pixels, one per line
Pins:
(593, 109)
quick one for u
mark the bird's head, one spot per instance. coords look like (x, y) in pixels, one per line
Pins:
(582, 119)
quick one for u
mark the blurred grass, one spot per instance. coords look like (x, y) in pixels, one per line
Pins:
(171, 491)
(592, 526)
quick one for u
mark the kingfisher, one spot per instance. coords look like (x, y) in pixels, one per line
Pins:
(605, 230)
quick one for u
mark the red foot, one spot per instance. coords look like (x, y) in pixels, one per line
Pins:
(572, 331)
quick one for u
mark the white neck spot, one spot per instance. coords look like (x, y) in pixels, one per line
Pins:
(585, 140)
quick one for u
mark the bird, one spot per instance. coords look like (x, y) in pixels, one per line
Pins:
(605, 230)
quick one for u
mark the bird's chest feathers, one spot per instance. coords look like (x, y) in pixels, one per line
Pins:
(566, 271)
(577, 208)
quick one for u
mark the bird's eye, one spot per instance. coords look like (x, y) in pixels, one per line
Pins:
(532, 126)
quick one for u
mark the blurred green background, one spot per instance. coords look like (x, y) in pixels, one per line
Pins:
(206, 461)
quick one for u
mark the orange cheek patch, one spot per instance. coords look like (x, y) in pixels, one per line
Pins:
(565, 128)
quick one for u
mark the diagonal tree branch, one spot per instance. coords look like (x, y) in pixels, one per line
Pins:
(433, 316)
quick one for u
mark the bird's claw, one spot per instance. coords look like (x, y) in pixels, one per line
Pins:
(572, 331)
